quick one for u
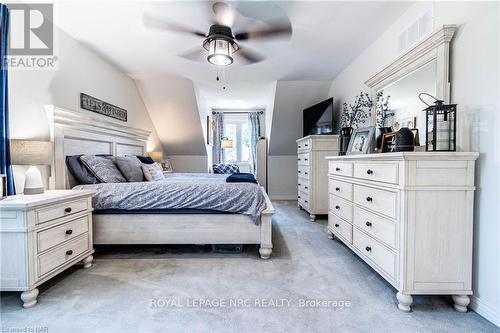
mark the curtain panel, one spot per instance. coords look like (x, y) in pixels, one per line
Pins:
(5, 163)
(254, 120)
(218, 152)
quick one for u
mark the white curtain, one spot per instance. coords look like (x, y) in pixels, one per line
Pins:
(253, 119)
(218, 152)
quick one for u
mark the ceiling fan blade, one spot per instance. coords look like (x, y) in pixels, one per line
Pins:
(196, 54)
(224, 14)
(281, 29)
(156, 23)
(249, 56)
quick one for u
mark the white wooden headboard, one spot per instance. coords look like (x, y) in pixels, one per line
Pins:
(81, 132)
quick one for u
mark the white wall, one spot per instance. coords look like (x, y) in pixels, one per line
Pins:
(80, 70)
(290, 99)
(475, 88)
(189, 163)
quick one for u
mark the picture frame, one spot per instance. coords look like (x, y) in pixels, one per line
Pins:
(361, 141)
(410, 122)
(388, 143)
(416, 140)
(166, 166)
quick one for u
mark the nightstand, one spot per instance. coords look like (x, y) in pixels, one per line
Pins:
(41, 236)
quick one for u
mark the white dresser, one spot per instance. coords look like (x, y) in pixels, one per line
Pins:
(410, 217)
(312, 171)
(41, 236)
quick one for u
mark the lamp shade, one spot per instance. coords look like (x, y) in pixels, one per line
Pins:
(226, 143)
(30, 152)
(157, 156)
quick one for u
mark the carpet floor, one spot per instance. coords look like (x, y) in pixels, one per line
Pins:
(311, 284)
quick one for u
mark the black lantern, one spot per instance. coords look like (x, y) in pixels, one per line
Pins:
(440, 125)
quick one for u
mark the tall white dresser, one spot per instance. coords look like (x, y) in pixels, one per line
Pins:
(410, 217)
(312, 193)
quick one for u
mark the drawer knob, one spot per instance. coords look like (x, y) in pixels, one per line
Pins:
(368, 224)
(69, 232)
(299, 184)
(305, 159)
(368, 248)
(337, 169)
(300, 146)
(336, 225)
(306, 145)
(306, 187)
(67, 210)
(298, 196)
(298, 159)
(69, 252)
(337, 189)
(370, 172)
(337, 207)
(305, 201)
(369, 199)
(299, 171)
(305, 173)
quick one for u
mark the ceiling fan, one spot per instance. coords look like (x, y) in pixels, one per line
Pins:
(221, 43)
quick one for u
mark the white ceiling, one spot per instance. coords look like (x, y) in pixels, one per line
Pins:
(326, 36)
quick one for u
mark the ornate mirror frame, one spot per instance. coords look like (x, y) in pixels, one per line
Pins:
(434, 47)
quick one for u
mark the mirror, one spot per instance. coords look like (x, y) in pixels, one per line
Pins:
(423, 68)
(404, 101)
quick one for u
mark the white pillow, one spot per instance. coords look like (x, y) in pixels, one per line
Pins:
(152, 172)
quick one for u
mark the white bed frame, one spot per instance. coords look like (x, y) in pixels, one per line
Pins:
(81, 132)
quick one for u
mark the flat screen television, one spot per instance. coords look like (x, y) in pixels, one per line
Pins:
(320, 119)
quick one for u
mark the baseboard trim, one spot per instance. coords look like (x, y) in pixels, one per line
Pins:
(283, 197)
(485, 310)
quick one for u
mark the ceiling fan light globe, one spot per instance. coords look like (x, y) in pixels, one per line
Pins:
(220, 52)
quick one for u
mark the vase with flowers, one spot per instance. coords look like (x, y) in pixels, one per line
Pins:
(384, 117)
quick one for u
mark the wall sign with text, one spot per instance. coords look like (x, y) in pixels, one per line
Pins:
(96, 105)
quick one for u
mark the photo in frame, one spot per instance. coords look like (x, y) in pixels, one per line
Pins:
(361, 141)
(410, 122)
(166, 166)
(388, 142)
(416, 140)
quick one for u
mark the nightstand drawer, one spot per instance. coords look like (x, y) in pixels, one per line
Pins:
(62, 233)
(380, 172)
(62, 254)
(303, 185)
(303, 171)
(61, 210)
(304, 145)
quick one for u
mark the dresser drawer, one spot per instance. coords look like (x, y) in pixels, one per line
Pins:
(62, 254)
(340, 227)
(340, 168)
(304, 158)
(341, 189)
(380, 172)
(304, 145)
(303, 199)
(380, 201)
(303, 185)
(375, 252)
(341, 207)
(61, 210)
(378, 227)
(62, 233)
(303, 171)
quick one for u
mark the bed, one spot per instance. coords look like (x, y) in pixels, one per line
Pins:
(74, 133)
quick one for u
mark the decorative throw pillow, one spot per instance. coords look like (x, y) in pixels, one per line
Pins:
(130, 167)
(145, 159)
(225, 168)
(152, 172)
(104, 169)
(79, 171)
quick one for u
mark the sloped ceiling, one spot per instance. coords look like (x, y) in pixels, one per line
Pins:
(291, 98)
(173, 108)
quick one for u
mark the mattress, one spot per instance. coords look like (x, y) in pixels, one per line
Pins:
(178, 192)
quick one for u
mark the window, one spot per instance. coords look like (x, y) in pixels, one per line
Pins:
(237, 128)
